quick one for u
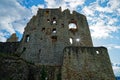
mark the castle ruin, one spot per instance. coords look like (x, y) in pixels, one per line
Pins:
(62, 40)
(49, 32)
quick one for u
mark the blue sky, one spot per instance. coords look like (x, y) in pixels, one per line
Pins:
(103, 18)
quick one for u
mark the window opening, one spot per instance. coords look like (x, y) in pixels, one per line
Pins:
(62, 25)
(54, 22)
(72, 26)
(48, 20)
(47, 12)
(54, 30)
(97, 52)
(39, 50)
(54, 18)
(71, 40)
(54, 38)
(77, 39)
(43, 29)
(27, 38)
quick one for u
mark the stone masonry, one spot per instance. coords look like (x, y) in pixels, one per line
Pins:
(86, 63)
(60, 38)
(49, 32)
(13, 38)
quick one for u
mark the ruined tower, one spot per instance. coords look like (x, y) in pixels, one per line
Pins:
(13, 38)
(50, 31)
(60, 38)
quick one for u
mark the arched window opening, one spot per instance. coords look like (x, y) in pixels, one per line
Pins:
(71, 40)
(54, 30)
(72, 26)
(27, 38)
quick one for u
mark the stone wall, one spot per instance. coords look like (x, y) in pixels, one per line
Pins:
(15, 68)
(13, 38)
(78, 63)
(49, 32)
(8, 47)
(86, 63)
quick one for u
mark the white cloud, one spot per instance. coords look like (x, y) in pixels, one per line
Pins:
(13, 17)
(102, 20)
(116, 69)
(100, 30)
(70, 4)
(2, 38)
(34, 9)
(112, 46)
(88, 11)
(118, 47)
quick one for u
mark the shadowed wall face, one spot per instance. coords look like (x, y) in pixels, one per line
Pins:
(84, 63)
(9, 47)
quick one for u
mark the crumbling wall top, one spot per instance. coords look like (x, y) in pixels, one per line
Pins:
(13, 38)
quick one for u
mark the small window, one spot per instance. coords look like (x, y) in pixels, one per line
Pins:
(71, 40)
(77, 39)
(47, 12)
(27, 38)
(48, 20)
(54, 22)
(43, 29)
(62, 25)
(54, 38)
(39, 50)
(54, 18)
(97, 52)
(54, 30)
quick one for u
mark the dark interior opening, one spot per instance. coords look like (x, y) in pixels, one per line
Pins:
(54, 38)
(27, 38)
(43, 29)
